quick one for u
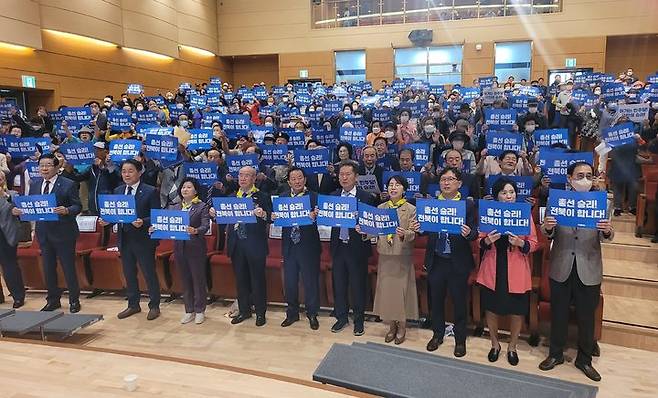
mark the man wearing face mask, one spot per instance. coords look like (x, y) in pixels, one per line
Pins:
(369, 166)
(534, 114)
(458, 139)
(575, 277)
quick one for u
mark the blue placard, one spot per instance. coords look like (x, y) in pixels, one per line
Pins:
(469, 94)
(37, 207)
(399, 85)
(530, 91)
(303, 99)
(613, 92)
(161, 147)
(382, 115)
(210, 117)
(353, 135)
(175, 112)
(214, 81)
(159, 101)
(20, 148)
(32, 169)
(436, 215)
(580, 96)
(519, 102)
(154, 130)
(554, 164)
(274, 155)
(485, 82)
(146, 116)
(421, 153)
(327, 138)
(55, 116)
(499, 142)
(376, 221)
(652, 79)
(503, 217)
(199, 139)
(77, 115)
(417, 109)
(337, 211)
(5, 110)
(500, 119)
(236, 162)
(524, 185)
(287, 112)
(78, 153)
(296, 140)
(259, 132)
(619, 135)
(214, 89)
(170, 224)
(198, 101)
(413, 178)
(548, 137)
(237, 125)
(332, 108)
(314, 161)
(292, 212)
(437, 89)
(121, 150)
(577, 209)
(119, 120)
(135, 89)
(205, 173)
(356, 121)
(231, 210)
(117, 208)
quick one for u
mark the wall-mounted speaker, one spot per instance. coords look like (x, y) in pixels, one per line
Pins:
(421, 37)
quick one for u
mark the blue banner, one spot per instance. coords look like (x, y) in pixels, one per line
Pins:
(530, 91)
(205, 173)
(421, 153)
(524, 185)
(577, 209)
(135, 89)
(237, 125)
(486, 82)
(548, 137)
(5, 110)
(274, 155)
(332, 108)
(21, 148)
(503, 217)
(500, 119)
(382, 115)
(231, 210)
(236, 162)
(159, 101)
(175, 111)
(55, 116)
(37, 207)
(413, 178)
(292, 212)
(145, 116)
(214, 88)
(314, 161)
(197, 101)
(78, 153)
(554, 164)
(353, 135)
(519, 102)
(259, 132)
(119, 120)
(161, 147)
(436, 215)
(117, 208)
(619, 135)
(376, 221)
(337, 211)
(154, 130)
(296, 140)
(170, 224)
(77, 115)
(469, 94)
(200, 139)
(652, 79)
(613, 92)
(266, 110)
(437, 90)
(121, 150)
(327, 138)
(417, 109)
(499, 142)
(32, 169)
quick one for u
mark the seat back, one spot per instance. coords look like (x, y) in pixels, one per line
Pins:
(88, 240)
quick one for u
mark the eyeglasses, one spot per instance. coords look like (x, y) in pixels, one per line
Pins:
(447, 179)
(581, 176)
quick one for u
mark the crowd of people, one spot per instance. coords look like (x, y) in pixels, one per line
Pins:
(456, 166)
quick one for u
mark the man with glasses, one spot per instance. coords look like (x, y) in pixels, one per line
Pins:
(57, 238)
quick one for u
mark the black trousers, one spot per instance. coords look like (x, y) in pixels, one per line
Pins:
(133, 253)
(298, 261)
(442, 278)
(10, 270)
(63, 251)
(350, 274)
(249, 268)
(585, 299)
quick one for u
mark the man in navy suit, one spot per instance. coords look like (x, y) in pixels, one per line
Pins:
(135, 244)
(350, 251)
(57, 238)
(300, 246)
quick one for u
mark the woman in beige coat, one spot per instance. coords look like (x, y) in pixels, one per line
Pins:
(396, 299)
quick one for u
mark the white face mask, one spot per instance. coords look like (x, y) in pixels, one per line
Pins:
(284, 99)
(404, 119)
(582, 185)
(532, 109)
(347, 112)
(268, 124)
(458, 145)
(597, 92)
(530, 128)
(429, 129)
(396, 103)
(270, 103)
(183, 123)
(140, 108)
(654, 105)
(376, 130)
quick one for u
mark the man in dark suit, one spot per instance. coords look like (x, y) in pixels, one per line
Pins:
(369, 166)
(301, 250)
(247, 247)
(135, 244)
(57, 238)
(320, 183)
(449, 260)
(350, 251)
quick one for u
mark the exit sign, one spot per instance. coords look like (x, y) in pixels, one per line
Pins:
(29, 81)
(303, 73)
(570, 62)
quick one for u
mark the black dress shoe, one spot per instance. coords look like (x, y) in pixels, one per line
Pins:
(313, 322)
(51, 306)
(358, 329)
(260, 320)
(589, 371)
(550, 362)
(434, 343)
(655, 239)
(2, 299)
(239, 319)
(493, 354)
(512, 358)
(129, 312)
(596, 350)
(18, 304)
(338, 326)
(153, 314)
(288, 321)
(460, 350)
(74, 307)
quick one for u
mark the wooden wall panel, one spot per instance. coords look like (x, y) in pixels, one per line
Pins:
(320, 64)
(637, 52)
(477, 63)
(549, 54)
(20, 23)
(92, 18)
(256, 69)
(379, 65)
(150, 25)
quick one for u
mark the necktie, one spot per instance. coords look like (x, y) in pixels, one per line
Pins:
(295, 233)
(46, 188)
(344, 232)
(130, 190)
(240, 228)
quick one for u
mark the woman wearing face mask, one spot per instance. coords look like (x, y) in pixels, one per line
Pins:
(375, 132)
(406, 130)
(624, 174)
(506, 276)
(429, 132)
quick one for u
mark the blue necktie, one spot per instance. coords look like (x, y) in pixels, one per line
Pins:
(344, 232)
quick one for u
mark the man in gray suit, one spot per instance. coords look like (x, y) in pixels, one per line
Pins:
(575, 276)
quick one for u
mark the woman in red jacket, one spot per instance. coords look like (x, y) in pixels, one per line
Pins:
(505, 275)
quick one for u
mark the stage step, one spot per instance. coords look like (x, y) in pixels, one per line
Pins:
(627, 247)
(629, 287)
(624, 223)
(643, 338)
